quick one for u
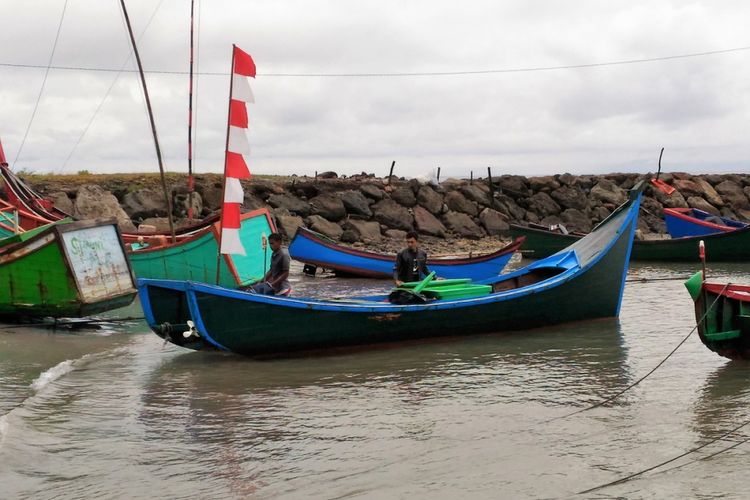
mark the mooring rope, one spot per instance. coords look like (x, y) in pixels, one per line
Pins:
(693, 450)
(612, 398)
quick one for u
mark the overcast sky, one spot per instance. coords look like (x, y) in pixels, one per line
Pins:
(585, 120)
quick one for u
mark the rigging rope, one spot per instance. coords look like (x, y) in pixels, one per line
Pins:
(109, 90)
(44, 82)
(653, 467)
(426, 73)
(617, 395)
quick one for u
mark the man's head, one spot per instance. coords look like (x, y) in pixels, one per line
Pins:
(275, 241)
(412, 240)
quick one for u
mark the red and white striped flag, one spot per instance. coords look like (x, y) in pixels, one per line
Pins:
(238, 149)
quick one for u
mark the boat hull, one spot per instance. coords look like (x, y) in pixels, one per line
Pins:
(194, 258)
(65, 270)
(311, 248)
(685, 222)
(256, 325)
(722, 313)
(733, 246)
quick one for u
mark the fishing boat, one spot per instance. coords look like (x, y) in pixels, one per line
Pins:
(316, 249)
(732, 246)
(194, 258)
(722, 313)
(64, 269)
(682, 222)
(581, 282)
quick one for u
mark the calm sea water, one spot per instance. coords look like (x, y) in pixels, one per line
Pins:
(116, 413)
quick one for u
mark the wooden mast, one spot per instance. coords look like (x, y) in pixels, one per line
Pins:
(191, 182)
(151, 119)
(226, 154)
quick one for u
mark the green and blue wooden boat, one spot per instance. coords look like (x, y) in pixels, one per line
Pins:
(583, 281)
(732, 246)
(193, 258)
(722, 313)
(64, 269)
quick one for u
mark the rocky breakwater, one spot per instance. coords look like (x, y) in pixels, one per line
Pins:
(363, 210)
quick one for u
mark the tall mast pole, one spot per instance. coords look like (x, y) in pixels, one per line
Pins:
(190, 120)
(226, 155)
(151, 119)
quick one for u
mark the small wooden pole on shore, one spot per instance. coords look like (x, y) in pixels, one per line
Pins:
(492, 188)
(316, 175)
(438, 175)
(471, 177)
(390, 174)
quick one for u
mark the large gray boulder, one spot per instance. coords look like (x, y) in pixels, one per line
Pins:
(426, 223)
(368, 231)
(709, 193)
(328, 206)
(323, 226)
(61, 201)
(575, 220)
(355, 203)
(515, 185)
(687, 187)
(458, 203)
(93, 202)
(608, 192)
(568, 196)
(145, 203)
(543, 205)
(732, 194)
(701, 204)
(546, 183)
(462, 225)
(404, 195)
(429, 199)
(372, 191)
(393, 215)
(493, 221)
(474, 193)
(288, 224)
(291, 203)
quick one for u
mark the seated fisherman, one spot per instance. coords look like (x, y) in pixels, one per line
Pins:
(411, 262)
(275, 281)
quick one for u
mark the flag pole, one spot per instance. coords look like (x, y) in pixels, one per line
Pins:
(226, 155)
(151, 119)
(190, 121)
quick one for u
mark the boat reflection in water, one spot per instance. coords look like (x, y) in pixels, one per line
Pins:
(273, 419)
(723, 401)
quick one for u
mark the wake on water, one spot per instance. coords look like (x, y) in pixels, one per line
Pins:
(49, 376)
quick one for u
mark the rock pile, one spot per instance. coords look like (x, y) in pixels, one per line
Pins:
(364, 209)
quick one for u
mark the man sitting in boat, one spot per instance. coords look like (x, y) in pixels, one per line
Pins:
(275, 281)
(411, 262)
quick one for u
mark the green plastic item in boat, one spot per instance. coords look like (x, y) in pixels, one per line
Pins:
(457, 292)
(438, 283)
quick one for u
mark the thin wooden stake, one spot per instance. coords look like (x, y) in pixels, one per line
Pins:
(471, 177)
(492, 188)
(390, 174)
(151, 119)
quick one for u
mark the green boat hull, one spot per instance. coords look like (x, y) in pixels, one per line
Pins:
(66, 269)
(261, 326)
(194, 258)
(733, 246)
(722, 313)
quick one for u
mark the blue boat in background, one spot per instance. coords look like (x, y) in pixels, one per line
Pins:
(682, 222)
(316, 249)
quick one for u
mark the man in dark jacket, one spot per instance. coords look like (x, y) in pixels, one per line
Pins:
(411, 262)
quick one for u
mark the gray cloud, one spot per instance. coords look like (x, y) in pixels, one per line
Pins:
(578, 120)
